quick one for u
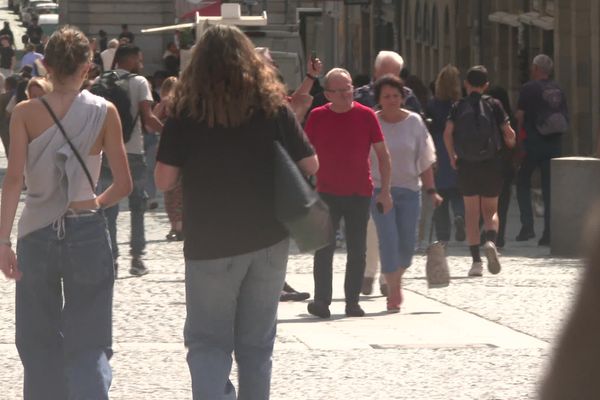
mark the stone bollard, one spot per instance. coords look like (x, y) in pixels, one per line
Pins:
(575, 187)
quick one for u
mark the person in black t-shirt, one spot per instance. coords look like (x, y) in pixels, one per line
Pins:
(7, 57)
(7, 31)
(476, 126)
(535, 99)
(125, 34)
(35, 32)
(228, 110)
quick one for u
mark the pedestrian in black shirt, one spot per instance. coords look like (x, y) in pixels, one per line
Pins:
(8, 61)
(476, 127)
(229, 108)
(35, 32)
(7, 31)
(126, 34)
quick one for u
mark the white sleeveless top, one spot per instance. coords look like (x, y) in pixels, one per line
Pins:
(53, 175)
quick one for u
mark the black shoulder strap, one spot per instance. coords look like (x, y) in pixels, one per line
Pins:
(57, 122)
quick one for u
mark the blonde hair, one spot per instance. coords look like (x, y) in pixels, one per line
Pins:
(42, 83)
(227, 81)
(168, 86)
(447, 84)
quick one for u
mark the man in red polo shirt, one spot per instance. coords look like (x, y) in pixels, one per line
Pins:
(342, 133)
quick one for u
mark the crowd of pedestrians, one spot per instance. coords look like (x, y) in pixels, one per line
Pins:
(104, 132)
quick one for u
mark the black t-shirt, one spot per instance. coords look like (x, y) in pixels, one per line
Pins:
(6, 55)
(532, 105)
(228, 181)
(127, 35)
(35, 34)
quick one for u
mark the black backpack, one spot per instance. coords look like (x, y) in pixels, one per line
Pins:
(476, 132)
(552, 119)
(115, 89)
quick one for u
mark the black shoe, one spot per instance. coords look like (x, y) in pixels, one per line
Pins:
(319, 309)
(525, 234)
(354, 310)
(293, 296)
(544, 240)
(459, 229)
(137, 267)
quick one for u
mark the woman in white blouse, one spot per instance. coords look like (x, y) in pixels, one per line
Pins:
(413, 155)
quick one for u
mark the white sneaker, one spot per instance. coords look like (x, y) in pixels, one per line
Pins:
(476, 269)
(491, 254)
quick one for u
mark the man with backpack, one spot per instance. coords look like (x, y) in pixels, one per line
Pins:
(476, 127)
(131, 95)
(542, 112)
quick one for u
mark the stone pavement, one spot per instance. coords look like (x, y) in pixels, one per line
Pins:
(480, 338)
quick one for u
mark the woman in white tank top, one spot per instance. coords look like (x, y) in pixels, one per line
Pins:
(63, 267)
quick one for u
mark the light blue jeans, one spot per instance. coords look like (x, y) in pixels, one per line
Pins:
(397, 230)
(64, 310)
(232, 307)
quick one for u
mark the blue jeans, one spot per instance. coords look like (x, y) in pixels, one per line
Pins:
(397, 229)
(137, 205)
(232, 307)
(150, 149)
(64, 310)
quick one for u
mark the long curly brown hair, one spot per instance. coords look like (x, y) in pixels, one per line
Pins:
(227, 81)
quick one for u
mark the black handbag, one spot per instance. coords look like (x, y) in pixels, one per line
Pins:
(297, 205)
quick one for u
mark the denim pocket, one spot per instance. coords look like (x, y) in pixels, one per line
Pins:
(90, 262)
(33, 256)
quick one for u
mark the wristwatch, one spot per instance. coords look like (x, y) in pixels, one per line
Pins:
(314, 78)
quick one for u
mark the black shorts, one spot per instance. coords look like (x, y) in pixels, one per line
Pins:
(480, 178)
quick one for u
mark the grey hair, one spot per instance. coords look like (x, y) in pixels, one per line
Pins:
(335, 72)
(113, 44)
(385, 55)
(544, 63)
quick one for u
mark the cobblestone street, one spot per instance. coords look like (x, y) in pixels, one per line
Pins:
(485, 338)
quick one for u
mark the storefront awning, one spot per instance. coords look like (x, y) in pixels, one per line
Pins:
(206, 8)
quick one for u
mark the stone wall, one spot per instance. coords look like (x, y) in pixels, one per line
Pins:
(91, 16)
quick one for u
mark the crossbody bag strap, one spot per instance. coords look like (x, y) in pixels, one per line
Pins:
(77, 155)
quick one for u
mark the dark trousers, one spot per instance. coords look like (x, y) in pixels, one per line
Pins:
(504, 202)
(528, 166)
(355, 211)
(441, 216)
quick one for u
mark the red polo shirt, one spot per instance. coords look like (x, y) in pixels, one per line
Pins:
(343, 142)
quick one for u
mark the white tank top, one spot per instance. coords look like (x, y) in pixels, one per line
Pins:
(84, 190)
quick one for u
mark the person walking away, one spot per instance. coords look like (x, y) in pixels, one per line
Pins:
(476, 126)
(63, 266)
(447, 92)
(413, 154)
(30, 58)
(542, 111)
(343, 133)
(129, 62)
(219, 141)
(508, 156)
(8, 59)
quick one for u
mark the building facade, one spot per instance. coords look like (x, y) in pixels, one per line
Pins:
(108, 15)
